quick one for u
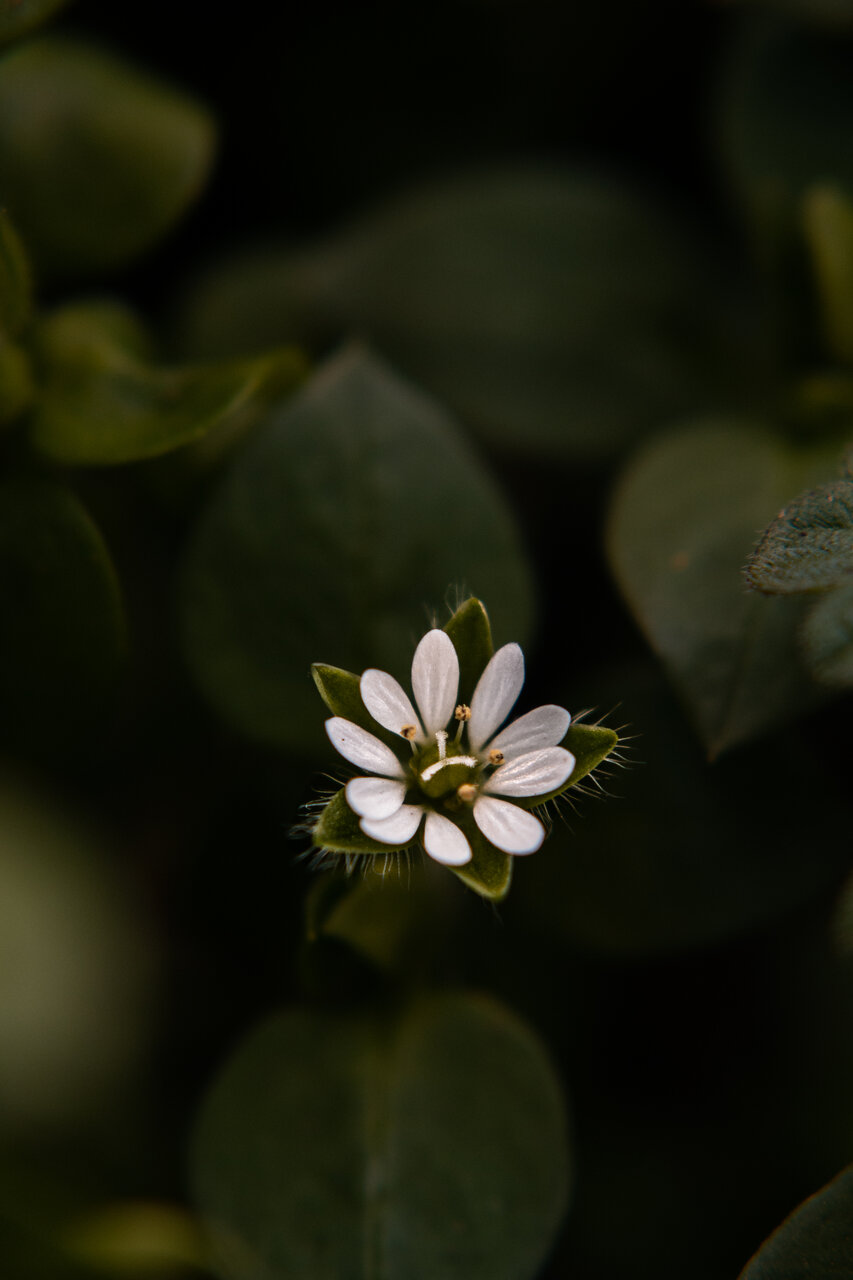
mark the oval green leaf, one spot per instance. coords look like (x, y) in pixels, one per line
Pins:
(355, 506)
(555, 311)
(430, 1145)
(101, 403)
(680, 527)
(815, 1241)
(105, 166)
(63, 637)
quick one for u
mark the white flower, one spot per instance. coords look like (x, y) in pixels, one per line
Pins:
(446, 775)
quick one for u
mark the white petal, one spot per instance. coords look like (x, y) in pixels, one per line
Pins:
(400, 828)
(387, 702)
(509, 828)
(375, 798)
(435, 679)
(445, 842)
(360, 747)
(496, 692)
(533, 774)
(544, 727)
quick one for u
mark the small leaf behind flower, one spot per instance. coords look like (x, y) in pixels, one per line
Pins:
(338, 831)
(590, 744)
(471, 633)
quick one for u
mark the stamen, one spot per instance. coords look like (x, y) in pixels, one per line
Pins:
(441, 739)
(463, 715)
(467, 792)
(408, 731)
(496, 757)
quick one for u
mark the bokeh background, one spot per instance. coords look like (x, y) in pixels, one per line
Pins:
(316, 320)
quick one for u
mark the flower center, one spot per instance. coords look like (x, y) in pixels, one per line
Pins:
(441, 774)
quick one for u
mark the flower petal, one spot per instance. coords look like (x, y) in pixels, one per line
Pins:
(435, 679)
(496, 692)
(445, 842)
(388, 703)
(375, 798)
(400, 828)
(543, 727)
(360, 747)
(533, 774)
(507, 827)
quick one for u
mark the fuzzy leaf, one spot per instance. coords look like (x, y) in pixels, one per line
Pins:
(816, 1240)
(105, 166)
(355, 504)
(428, 1145)
(809, 546)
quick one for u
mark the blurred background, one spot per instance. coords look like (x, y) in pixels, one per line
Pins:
(315, 321)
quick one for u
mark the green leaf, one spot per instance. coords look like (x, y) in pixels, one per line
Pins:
(489, 872)
(106, 165)
(341, 692)
(809, 546)
(680, 527)
(357, 505)
(827, 636)
(816, 1240)
(15, 280)
(828, 219)
(471, 633)
(338, 831)
(16, 381)
(17, 17)
(556, 311)
(63, 638)
(138, 1240)
(429, 1144)
(102, 403)
(785, 118)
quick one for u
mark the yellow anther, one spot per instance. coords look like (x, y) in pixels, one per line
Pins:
(462, 712)
(408, 731)
(467, 792)
(496, 757)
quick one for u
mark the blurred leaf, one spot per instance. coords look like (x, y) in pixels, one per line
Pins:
(815, 1241)
(556, 311)
(828, 637)
(809, 545)
(17, 17)
(62, 638)
(430, 1144)
(784, 121)
(471, 633)
(16, 381)
(683, 855)
(138, 1239)
(75, 980)
(15, 280)
(355, 506)
(828, 219)
(97, 160)
(101, 403)
(680, 527)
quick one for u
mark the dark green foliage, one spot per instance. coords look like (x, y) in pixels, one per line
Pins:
(817, 1239)
(433, 1139)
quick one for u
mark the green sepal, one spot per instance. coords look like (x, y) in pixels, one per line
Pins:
(15, 279)
(341, 692)
(338, 831)
(590, 744)
(471, 633)
(809, 546)
(489, 872)
(103, 403)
